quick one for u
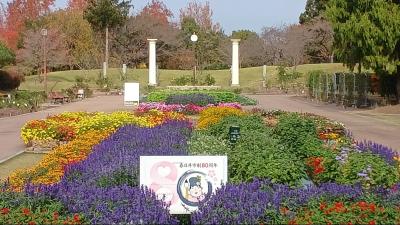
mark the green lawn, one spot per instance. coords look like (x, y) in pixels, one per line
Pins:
(250, 78)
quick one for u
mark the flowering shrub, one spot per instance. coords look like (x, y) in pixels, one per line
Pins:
(213, 115)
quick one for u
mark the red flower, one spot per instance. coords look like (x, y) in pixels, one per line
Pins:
(363, 205)
(318, 170)
(31, 223)
(349, 223)
(372, 222)
(5, 211)
(372, 207)
(26, 211)
(76, 218)
(322, 206)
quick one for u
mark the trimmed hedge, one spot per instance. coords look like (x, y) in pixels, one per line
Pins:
(219, 96)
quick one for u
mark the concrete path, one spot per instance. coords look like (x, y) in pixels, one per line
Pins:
(10, 127)
(364, 125)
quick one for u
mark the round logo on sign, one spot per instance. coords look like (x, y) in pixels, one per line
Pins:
(193, 188)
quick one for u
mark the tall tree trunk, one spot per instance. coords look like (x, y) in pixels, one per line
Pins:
(106, 54)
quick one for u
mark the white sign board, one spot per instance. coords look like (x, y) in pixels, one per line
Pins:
(183, 181)
(131, 93)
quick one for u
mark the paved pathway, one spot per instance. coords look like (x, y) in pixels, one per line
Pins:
(360, 122)
(10, 127)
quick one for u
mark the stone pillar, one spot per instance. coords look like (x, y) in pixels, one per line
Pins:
(152, 62)
(235, 62)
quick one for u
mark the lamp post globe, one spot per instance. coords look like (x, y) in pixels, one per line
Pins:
(194, 37)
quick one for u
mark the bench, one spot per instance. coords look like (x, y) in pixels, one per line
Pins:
(58, 97)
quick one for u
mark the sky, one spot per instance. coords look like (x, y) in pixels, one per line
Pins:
(237, 14)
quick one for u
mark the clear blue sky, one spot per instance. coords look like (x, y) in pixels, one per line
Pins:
(238, 14)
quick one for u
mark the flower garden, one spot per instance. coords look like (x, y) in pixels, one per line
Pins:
(286, 168)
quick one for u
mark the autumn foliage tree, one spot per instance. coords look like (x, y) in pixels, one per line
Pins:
(201, 13)
(17, 13)
(77, 5)
(158, 10)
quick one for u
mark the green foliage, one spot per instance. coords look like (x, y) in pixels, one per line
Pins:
(381, 173)
(219, 96)
(314, 8)
(29, 100)
(122, 176)
(182, 80)
(293, 131)
(243, 34)
(257, 154)
(104, 84)
(209, 80)
(106, 13)
(204, 144)
(6, 55)
(248, 123)
(366, 33)
(285, 77)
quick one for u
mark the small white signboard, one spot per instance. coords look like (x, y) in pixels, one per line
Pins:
(131, 93)
(183, 181)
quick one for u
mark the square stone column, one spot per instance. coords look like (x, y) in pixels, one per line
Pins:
(152, 62)
(235, 62)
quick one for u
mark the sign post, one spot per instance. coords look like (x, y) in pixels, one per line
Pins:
(234, 134)
(131, 93)
(184, 182)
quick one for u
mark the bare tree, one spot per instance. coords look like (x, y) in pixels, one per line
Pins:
(252, 52)
(130, 40)
(274, 39)
(202, 14)
(319, 41)
(294, 44)
(31, 55)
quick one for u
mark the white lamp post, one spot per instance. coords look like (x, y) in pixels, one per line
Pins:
(43, 32)
(194, 39)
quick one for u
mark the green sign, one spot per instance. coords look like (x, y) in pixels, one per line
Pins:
(234, 134)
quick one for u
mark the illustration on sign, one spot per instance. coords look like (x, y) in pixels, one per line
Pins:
(183, 181)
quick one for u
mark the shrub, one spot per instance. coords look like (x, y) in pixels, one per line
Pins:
(203, 144)
(182, 80)
(293, 130)
(9, 80)
(220, 96)
(194, 98)
(246, 123)
(259, 155)
(208, 80)
(6, 55)
(368, 169)
(213, 115)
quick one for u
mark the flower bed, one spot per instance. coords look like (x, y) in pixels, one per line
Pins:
(67, 126)
(299, 169)
(189, 109)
